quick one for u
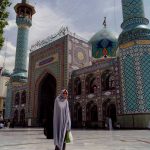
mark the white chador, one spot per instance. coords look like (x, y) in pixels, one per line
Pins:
(61, 120)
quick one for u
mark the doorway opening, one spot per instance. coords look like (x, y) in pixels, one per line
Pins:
(46, 98)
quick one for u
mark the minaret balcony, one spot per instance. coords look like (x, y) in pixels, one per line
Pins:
(24, 21)
(138, 33)
(134, 22)
(19, 77)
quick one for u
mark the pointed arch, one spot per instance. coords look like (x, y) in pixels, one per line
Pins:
(46, 93)
(37, 84)
(17, 98)
(91, 112)
(77, 86)
(23, 97)
(15, 117)
(22, 117)
(90, 83)
(107, 80)
(78, 112)
(109, 111)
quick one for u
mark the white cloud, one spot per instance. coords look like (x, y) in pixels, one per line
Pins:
(85, 35)
(9, 49)
(45, 23)
(9, 65)
(7, 56)
(11, 25)
(84, 20)
(112, 7)
(1, 60)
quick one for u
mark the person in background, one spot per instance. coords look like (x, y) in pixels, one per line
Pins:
(8, 123)
(110, 123)
(61, 120)
(1, 125)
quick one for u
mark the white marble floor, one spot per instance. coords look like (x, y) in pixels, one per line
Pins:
(33, 139)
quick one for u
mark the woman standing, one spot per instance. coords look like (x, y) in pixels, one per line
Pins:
(61, 120)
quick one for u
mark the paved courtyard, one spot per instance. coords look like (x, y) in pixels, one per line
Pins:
(33, 139)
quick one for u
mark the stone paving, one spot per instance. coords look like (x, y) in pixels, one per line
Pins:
(33, 139)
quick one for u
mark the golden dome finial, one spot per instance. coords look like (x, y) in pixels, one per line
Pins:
(104, 22)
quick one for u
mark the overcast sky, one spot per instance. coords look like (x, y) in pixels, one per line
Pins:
(83, 17)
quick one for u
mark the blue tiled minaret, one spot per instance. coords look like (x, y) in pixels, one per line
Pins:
(24, 13)
(134, 56)
(134, 22)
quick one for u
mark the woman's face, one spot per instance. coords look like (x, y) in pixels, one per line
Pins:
(65, 95)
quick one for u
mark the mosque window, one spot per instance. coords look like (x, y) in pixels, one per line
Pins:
(111, 112)
(23, 97)
(93, 86)
(78, 112)
(107, 81)
(90, 84)
(111, 82)
(17, 98)
(88, 111)
(94, 113)
(91, 112)
(22, 11)
(15, 118)
(77, 86)
(104, 108)
(28, 13)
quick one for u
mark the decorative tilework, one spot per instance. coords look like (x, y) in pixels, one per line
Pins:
(145, 67)
(126, 45)
(21, 21)
(93, 68)
(141, 58)
(135, 34)
(142, 42)
(8, 102)
(134, 58)
(129, 84)
(133, 18)
(132, 9)
(21, 50)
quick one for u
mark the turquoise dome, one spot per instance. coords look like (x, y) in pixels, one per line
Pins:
(104, 44)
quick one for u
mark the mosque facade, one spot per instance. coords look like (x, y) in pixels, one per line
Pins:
(106, 77)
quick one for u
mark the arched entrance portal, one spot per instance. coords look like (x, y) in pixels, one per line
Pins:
(111, 111)
(91, 115)
(15, 118)
(22, 118)
(47, 94)
(77, 115)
